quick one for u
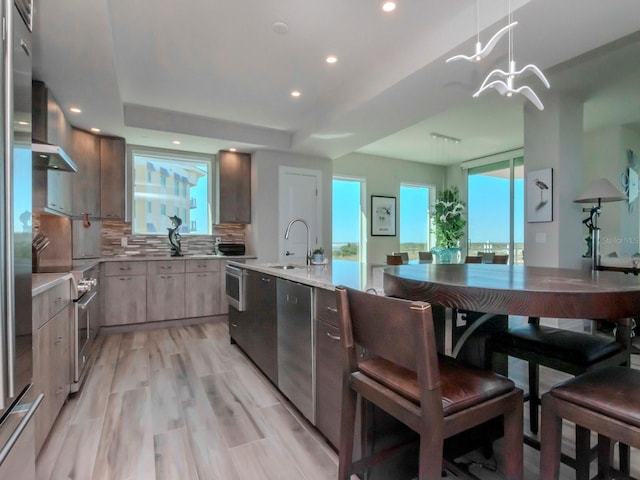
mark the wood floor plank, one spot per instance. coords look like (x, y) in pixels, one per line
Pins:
(166, 413)
(78, 452)
(126, 443)
(267, 462)
(132, 370)
(204, 358)
(239, 422)
(259, 390)
(293, 439)
(93, 397)
(108, 353)
(173, 459)
(161, 346)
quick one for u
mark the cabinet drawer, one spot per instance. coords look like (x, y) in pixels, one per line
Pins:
(195, 265)
(59, 297)
(326, 306)
(165, 267)
(125, 268)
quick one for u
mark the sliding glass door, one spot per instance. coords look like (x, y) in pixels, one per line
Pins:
(496, 209)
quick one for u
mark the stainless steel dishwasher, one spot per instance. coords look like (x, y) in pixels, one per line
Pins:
(295, 346)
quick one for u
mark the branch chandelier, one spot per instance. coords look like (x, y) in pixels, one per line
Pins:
(498, 79)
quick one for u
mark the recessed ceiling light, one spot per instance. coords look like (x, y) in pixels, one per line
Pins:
(389, 6)
(75, 110)
(332, 59)
(280, 27)
(94, 129)
(295, 93)
(176, 142)
(232, 149)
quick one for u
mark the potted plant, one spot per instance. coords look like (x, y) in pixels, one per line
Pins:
(448, 219)
(318, 255)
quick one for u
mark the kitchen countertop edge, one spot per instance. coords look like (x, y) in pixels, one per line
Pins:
(41, 282)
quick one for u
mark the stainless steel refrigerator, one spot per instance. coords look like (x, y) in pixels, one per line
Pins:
(17, 454)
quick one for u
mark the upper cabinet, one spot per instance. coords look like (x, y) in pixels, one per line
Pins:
(234, 187)
(112, 178)
(49, 123)
(85, 151)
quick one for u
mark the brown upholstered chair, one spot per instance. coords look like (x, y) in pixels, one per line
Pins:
(425, 257)
(473, 259)
(606, 401)
(404, 375)
(501, 259)
(560, 349)
(403, 255)
(394, 259)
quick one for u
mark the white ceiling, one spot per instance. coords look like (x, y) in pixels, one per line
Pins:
(214, 74)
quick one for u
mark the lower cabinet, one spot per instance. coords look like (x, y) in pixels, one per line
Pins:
(125, 299)
(254, 330)
(202, 288)
(165, 297)
(328, 366)
(52, 346)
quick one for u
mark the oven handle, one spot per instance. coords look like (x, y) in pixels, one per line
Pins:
(84, 303)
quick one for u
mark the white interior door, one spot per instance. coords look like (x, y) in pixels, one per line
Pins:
(299, 198)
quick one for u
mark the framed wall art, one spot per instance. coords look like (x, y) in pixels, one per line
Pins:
(540, 195)
(383, 216)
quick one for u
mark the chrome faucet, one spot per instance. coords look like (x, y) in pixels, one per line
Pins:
(286, 236)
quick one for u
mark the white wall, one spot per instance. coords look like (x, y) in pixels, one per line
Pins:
(383, 176)
(262, 236)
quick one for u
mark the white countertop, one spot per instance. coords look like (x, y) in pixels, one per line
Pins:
(351, 274)
(142, 258)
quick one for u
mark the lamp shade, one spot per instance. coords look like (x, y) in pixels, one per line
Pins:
(600, 190)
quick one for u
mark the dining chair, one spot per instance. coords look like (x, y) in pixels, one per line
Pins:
(487, 257)
(501, 259)
(606, 401)
(403, 374)
(403, 255)
(425, 257)
(394, 259)
(473, 259)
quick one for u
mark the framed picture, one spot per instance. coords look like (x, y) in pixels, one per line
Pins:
(383, 216)
(540, 195)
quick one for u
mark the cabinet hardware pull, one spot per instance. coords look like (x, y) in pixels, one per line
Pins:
(234, 324)
(59, 390)
(266, 279)
(165, 267)
(125, 278)
(333, 337)
(58, 340)
(125, 268)
(201, 266)
(332, 310)
(58, 300)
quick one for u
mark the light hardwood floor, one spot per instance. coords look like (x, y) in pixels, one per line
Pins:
(182, 403)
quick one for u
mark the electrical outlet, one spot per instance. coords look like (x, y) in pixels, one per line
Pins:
(218, 239)
(124, 242)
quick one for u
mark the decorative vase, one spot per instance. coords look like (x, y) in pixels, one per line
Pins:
(317, 258)
(447, 255)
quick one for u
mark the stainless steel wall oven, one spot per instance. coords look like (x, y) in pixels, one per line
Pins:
(235, 286)
(86, 324)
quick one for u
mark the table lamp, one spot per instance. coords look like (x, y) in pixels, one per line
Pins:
(598, 191)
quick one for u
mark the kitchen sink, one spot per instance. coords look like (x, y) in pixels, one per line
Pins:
(287, 267)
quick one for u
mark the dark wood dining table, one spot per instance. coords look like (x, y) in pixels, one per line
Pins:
(519, 290)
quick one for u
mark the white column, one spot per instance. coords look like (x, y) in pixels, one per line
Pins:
(553, 138)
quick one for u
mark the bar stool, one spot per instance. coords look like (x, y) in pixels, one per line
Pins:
(562, 350)
(403, 375)
(606, 401)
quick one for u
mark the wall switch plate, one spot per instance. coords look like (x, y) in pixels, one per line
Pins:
(124, 242)
(218, 239)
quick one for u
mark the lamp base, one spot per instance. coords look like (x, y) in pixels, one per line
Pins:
(595, 248)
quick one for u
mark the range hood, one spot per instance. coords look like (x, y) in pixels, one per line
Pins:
(51, 156)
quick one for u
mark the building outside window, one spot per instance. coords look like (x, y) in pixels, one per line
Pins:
(179, 178)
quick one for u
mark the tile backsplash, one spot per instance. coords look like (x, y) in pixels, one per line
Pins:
(158, 245)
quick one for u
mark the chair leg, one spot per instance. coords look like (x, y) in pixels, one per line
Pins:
(583, 454)
(550, 440)
(430, 461)
(513, 461)
(347, 432)
(534, 396)
(605, 457)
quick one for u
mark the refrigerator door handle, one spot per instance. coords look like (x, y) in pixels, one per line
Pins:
(20, 428)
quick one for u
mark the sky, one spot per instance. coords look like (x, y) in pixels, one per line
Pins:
(487, 216)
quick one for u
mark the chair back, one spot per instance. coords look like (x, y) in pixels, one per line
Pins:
(501, 259)
(425, 257)
(396, 330)
(473, 259)
(394, 259)
(487, 257)
(403, 255)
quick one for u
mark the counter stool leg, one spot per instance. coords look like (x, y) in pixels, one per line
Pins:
(605, 457)
(534, 396)
(550, 443)
(583, 454)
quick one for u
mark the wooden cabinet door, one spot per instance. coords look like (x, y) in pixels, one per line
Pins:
(165, 296)
(85, 152)
(202, 294)
(125, 299)
(328, 381)
(234, 187)
(112, 178)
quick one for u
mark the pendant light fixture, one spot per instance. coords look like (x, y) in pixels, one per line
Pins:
(482, 52)
(505, 85)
